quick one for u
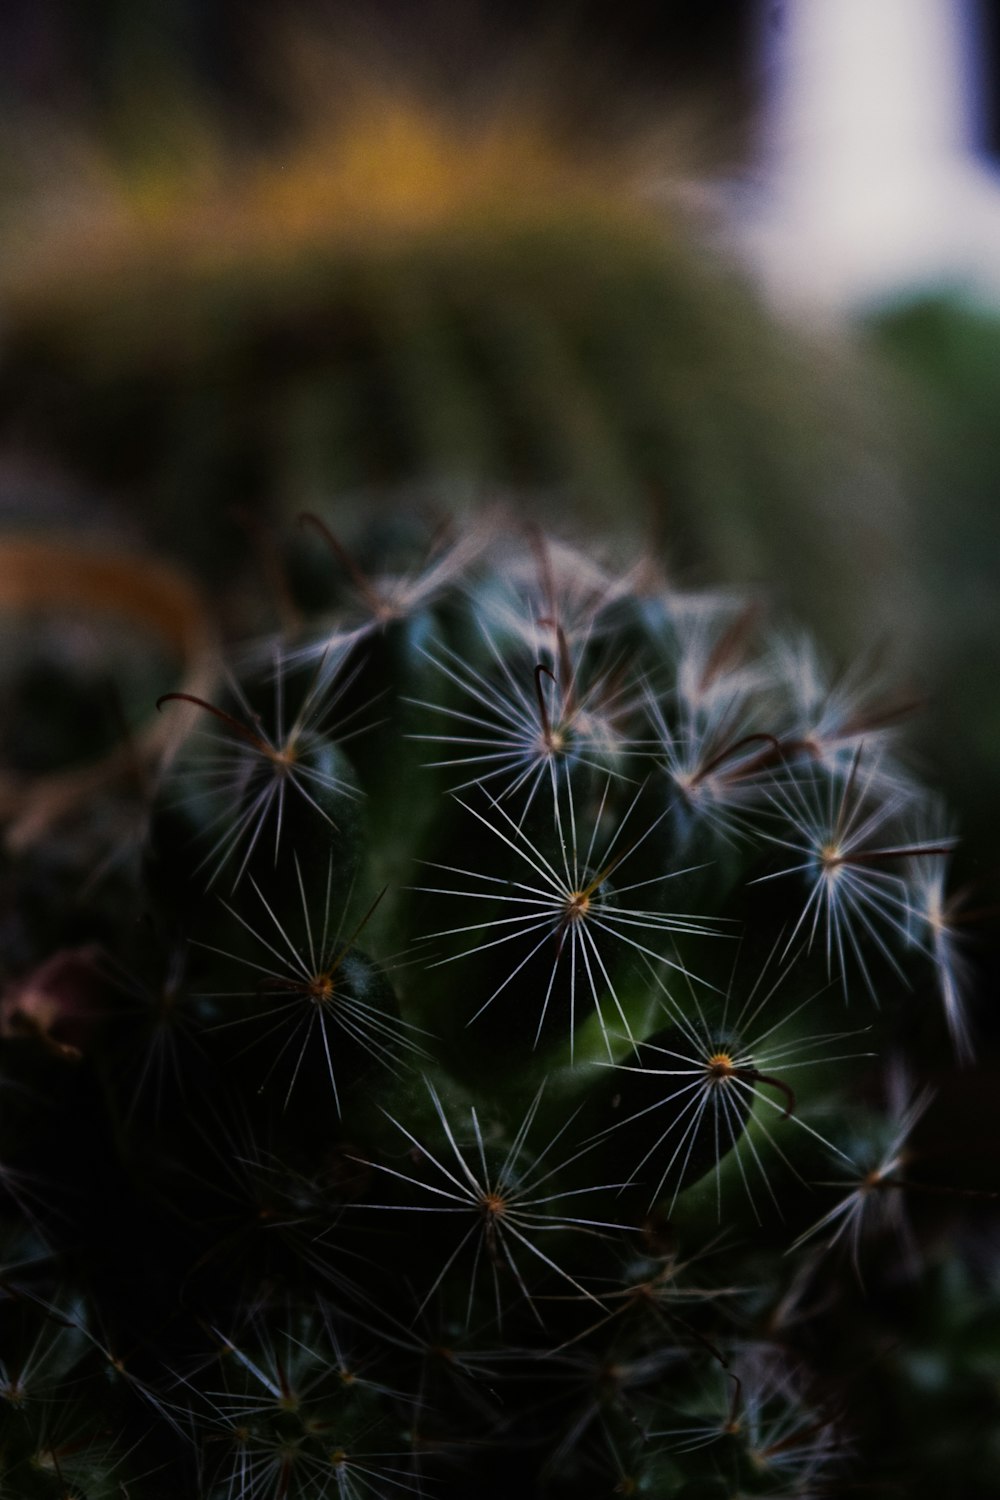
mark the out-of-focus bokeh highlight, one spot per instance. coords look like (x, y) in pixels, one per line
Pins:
(875, 181)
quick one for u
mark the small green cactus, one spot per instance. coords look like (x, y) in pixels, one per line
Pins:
(469, 1082)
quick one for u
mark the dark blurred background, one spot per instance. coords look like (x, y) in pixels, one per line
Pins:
(60, 56)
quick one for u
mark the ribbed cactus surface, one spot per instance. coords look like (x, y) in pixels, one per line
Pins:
(486, 1074)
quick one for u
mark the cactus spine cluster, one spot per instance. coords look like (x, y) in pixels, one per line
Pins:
(472, 1079)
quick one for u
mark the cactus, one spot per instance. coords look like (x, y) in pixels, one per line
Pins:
(469, 1081)
(412, 295)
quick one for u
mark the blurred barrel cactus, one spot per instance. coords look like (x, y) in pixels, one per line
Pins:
(487, 1072)
(403, 295)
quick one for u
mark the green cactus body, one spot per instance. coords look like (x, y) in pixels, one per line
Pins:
(472, 1101)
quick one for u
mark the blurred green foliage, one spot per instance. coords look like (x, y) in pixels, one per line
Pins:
(948, 354)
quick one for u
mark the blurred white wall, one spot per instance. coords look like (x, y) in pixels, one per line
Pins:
(871, 178)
